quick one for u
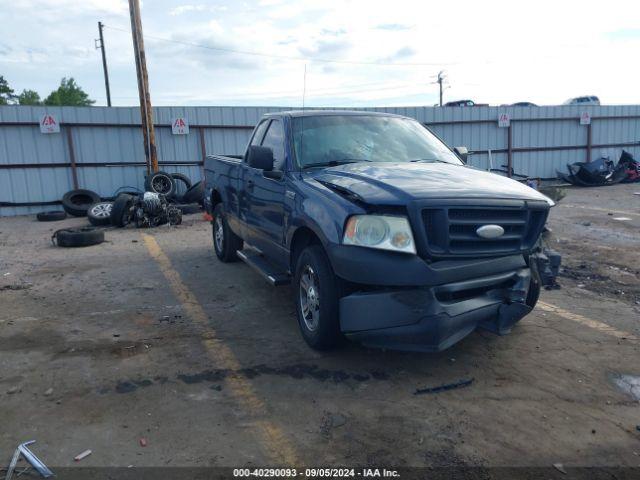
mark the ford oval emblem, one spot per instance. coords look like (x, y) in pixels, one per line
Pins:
(490, 231)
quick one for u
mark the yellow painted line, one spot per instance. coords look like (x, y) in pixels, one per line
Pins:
(594, 324)
(272, 437)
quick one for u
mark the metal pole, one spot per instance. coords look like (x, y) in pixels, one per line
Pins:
(104, 65)
(589, 142)
(146, 112)
(72, 158)
(440, 83)
(509, 151)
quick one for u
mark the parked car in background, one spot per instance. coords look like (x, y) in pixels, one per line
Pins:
(585, 100)
(386, 235)
(523, 104)
(460, 103)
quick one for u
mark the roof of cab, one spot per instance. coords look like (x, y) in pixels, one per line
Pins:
(315, 113)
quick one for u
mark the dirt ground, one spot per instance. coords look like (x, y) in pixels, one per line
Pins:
(148, 336)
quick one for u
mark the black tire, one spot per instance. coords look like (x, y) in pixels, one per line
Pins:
(77, 202)
(195, 194)
(160, 182)
(228, 243)
(319, 321)
(188, 208)
(534, 289)
(53, 216)
(78, 237)
(121, 214)
(181, 179)
(99, 214)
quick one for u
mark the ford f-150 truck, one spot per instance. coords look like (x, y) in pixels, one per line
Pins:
(387, 236)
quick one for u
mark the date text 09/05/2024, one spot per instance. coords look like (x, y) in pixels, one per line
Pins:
(315, 472)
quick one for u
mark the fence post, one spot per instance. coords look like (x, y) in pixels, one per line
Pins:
(509, 151)
(203, 149)
(72, 157)
(589, 142)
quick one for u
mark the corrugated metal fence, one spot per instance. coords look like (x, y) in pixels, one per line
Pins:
(100, 148)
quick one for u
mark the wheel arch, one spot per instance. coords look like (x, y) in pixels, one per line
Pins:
(215, 198)
(302, 238)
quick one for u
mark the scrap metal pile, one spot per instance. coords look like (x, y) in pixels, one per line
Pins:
(162, 203)
(602, 172)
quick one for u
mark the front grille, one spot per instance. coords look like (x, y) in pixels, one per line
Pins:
(451, 231)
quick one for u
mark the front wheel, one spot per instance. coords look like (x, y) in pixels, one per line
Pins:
(534, 288)
(316, 293)
(225, 242)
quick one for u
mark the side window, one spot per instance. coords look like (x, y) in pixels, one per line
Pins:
(257, 137)
(274, 139)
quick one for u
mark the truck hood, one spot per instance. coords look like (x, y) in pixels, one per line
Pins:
(398, 183)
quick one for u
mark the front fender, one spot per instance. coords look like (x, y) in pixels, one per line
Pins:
(322, 211)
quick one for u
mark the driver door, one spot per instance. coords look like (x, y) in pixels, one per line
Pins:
(265, 199)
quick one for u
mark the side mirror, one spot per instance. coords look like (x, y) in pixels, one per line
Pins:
(260, 158)
(462, 153)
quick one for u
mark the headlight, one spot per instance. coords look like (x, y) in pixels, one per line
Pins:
(380, 231)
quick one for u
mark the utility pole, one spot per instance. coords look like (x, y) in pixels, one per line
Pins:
(146, 112)
(104, 63)
(440, 80)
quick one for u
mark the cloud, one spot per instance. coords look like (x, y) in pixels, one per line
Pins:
(179, 10)
(210, 55)
(326, 49)
(624, 34)
(56, 37)
(393, 27)
(400, 54)
(333, 32)
(61, 8)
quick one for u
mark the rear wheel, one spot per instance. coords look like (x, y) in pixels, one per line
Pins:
(316, 294)
(225, 242)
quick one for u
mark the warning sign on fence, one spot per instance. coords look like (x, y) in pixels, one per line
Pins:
(179, 126)
(504, 120)
(49, 124)
(585, 118)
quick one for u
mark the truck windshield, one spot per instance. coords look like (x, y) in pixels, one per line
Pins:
(336, 139)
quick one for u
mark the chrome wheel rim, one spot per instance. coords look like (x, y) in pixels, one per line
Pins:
(101, 210)
(309, 298)
(218, 233)
(161, 184)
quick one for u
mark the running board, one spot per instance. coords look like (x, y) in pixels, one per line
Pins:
(264, 268)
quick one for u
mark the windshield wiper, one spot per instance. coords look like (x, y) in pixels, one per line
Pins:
(335, 163)
(430, 160)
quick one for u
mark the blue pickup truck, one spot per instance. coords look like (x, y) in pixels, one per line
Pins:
(387, 236)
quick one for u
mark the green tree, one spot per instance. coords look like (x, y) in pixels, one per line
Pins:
(68, 93)
(6, 92)
(29, 97)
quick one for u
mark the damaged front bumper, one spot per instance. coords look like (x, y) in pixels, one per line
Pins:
(434, 318)
(406, 303)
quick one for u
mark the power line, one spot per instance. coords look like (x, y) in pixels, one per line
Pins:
(325, 92)
(287, 57)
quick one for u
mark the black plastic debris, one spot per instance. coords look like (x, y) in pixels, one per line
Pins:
(602, 172)
(445, 387)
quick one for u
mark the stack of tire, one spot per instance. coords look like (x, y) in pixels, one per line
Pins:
(79, 203)
(176, 187)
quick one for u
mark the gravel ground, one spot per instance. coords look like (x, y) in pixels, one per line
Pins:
(148, 336)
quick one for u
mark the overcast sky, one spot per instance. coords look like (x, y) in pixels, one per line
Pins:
(492, 51)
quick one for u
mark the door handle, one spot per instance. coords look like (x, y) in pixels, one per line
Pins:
(250, 184)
